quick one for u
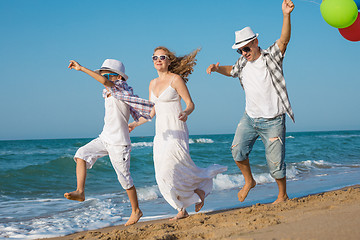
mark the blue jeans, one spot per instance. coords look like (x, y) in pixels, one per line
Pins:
(272, 133)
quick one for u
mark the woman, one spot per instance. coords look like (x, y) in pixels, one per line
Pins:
(180, 181)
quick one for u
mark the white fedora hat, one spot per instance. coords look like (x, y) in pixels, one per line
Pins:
(243, 37)
(113, 66)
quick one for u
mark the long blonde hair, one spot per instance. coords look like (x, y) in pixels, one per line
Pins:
(182, 65)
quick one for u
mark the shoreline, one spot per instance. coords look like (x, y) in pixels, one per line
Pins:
(327, 215)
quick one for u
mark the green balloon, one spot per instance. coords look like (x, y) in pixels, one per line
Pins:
(339, 13)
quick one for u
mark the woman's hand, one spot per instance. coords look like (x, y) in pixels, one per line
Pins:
(132, 126)
(183, 116)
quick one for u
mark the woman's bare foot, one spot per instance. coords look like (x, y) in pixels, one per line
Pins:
(242, 194)
(281, 199)
(134, 217)
(201, 194)
(180, 215)
(75, 195)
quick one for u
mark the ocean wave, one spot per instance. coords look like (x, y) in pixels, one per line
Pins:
(148, 193)
(339, 136)
(96, 214)
(191, 141)
(142, 144)
(224, 181)
(200, 140)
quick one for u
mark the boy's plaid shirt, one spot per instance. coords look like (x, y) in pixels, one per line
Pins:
(274, 59)
(139, 107)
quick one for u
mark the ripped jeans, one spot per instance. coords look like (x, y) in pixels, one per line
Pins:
(272, 133)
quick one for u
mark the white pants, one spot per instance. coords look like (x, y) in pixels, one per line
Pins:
(119, 156)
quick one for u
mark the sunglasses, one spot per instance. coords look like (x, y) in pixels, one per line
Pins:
(107, 75)
(162, 57)
(245, 49)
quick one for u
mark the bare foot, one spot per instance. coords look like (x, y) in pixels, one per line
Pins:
(281, 199)
(201, 194)
(242, 194)
(180, 215)
(134, 217)
(75, 195)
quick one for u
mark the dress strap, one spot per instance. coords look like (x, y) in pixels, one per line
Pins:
(172, 80)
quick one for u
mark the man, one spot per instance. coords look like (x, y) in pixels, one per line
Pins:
(261, 76)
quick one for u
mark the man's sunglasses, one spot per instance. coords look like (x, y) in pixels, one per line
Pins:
(107, 75)
(245, 49)
(162, 57)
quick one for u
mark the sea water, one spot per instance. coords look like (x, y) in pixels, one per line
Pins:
(34, 175)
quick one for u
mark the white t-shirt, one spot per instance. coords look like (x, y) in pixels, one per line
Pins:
(261, 97)
(116, 130)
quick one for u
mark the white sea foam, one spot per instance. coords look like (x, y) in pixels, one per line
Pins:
(92, 214)
(224, 181)
(201, 140)
(317, 164)
(142, 144)
(291, 172)
(191, 141)
(148, 193)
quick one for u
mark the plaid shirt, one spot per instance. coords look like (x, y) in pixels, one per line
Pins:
(138, 107)
(273, 59)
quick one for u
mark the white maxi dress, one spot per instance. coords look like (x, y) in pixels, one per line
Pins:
(176, 174)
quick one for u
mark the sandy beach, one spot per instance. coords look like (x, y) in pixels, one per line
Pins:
(329, 215)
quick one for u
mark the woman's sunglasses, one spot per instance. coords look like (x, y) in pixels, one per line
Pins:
(162, 57)
(107, 75)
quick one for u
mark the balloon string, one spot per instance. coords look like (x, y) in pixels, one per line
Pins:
(311, 2)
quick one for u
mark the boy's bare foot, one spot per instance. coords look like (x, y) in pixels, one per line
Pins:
(134, 217)
(75, 195)
(201, 194)
(242, 194)
(180, 215)
(281, 199)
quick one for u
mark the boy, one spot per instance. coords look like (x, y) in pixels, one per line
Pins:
(114, 140)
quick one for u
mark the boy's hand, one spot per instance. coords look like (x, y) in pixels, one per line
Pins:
(287, 6)
(74, 65)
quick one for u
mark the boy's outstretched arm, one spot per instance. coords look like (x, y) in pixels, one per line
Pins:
(75, 65)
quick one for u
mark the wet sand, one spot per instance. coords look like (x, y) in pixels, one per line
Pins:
(329, 215)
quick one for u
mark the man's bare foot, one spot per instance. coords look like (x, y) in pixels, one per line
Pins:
(201, 194)
(134, 217)
(242, 194)
(75, 195)
(281, 199)
(180, 215)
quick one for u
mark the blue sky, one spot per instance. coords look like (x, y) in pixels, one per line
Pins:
(41, 98)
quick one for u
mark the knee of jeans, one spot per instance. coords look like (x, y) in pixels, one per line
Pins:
(275, 139)
(238, 153)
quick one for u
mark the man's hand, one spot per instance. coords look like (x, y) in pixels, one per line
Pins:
(287, 6)
(212, 68)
